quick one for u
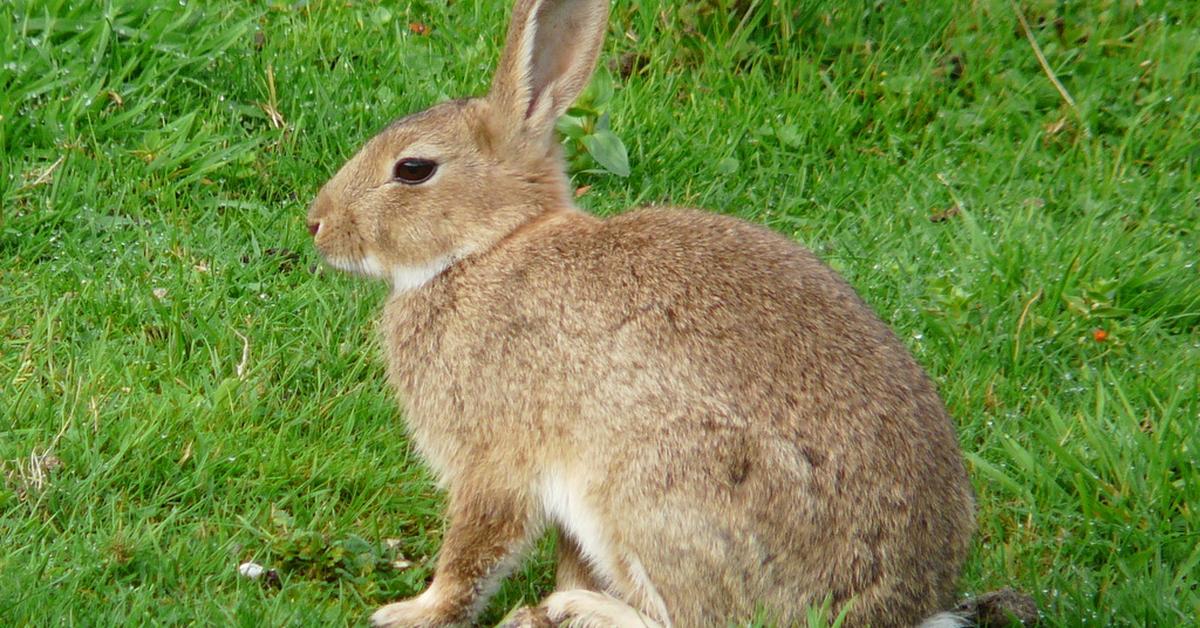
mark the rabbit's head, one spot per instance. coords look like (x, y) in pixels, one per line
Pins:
(457, 178)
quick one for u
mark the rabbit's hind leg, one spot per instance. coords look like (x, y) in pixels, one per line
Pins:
(589, 609)
(578, 608)
(574, 575)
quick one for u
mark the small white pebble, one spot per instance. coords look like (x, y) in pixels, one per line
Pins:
(160, 293)
(251, 570)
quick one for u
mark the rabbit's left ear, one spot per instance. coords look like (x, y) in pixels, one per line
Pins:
(548, 58)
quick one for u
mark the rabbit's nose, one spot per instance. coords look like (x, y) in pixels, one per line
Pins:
(314, 227)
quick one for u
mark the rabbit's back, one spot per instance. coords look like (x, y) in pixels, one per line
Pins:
(748, 428)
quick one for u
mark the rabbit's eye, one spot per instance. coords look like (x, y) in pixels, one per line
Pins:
(414, 171)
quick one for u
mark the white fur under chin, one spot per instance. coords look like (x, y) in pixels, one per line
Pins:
(368, 266)
(409, 278)
(945, 620)
(403, 278)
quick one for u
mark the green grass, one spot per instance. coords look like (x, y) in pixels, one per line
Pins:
(197, 396)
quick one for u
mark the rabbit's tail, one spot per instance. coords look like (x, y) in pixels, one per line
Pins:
(998, 608)
(588, 609)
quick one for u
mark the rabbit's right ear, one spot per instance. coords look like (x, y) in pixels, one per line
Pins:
(548, 58)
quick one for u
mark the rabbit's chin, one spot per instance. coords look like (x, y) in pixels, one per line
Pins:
(404, 278)
(368, 266)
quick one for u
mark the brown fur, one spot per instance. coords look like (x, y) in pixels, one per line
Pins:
(710, 416)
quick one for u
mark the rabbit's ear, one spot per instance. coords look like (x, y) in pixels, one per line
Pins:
(548, 58)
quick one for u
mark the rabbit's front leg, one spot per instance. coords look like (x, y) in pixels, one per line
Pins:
(487, 532)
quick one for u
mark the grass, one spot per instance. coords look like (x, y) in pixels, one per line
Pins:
(182, 391)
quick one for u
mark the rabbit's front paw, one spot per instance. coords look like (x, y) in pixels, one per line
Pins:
(418, 612)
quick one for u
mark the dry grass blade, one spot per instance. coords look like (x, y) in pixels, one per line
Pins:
(271, 107)
(1041, 58)
(1021, 323)
(241, 367)
(45, 176)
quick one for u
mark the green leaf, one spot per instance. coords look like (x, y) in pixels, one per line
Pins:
(571, 127)
(790, 135)
(580, 110)
(381, 16)
(729, 165)
(608, 151)
(599, 91)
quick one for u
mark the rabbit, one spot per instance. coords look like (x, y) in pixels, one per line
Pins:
(710, 419)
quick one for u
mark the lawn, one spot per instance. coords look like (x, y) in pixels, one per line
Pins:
(183, 388)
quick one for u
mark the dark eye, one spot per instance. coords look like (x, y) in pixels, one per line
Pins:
(414, 171)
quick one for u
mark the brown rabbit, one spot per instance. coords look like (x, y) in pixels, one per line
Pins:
(709, 417)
